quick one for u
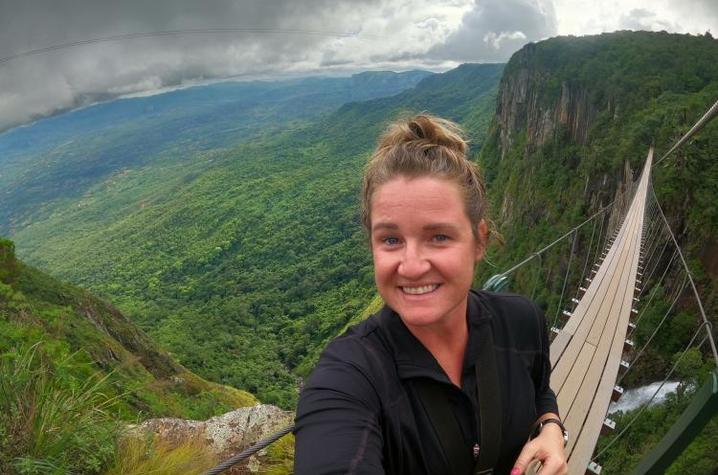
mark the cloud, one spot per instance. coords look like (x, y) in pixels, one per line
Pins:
(581, 17)
(494, 29)
(495, 40)
(642, 19)
(228, 38)
(261, 38)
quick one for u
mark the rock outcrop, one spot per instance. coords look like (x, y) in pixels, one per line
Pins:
(222, 436)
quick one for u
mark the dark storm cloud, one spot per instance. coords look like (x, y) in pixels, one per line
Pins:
(494, 29)
(286, 36)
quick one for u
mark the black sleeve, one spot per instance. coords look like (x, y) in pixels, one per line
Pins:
(545, 397)
(337, 422)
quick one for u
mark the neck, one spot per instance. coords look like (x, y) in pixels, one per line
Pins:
(446, 341)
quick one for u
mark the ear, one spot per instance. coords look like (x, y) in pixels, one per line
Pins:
(483, 233)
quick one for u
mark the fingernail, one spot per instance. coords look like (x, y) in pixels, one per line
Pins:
(515, 471)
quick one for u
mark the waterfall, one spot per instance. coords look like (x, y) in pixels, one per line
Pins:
(634, 398)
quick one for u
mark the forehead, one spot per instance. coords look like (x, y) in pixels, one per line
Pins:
(418, 199)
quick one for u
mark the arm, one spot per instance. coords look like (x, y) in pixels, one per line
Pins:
(337, 423)
(548, 446)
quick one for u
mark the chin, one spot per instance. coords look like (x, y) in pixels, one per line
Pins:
(418, 318)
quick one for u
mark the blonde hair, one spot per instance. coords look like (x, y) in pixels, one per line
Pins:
(425, 145)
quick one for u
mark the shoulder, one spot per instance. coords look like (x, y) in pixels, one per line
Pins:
(516, 319)
(512, 306)
(361, 345)
(354, 363)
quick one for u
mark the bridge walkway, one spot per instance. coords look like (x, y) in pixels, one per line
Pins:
(586, 354)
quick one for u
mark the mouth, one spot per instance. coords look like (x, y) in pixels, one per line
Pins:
(419, 290)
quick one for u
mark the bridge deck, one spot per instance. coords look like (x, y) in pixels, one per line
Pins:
(586, 353)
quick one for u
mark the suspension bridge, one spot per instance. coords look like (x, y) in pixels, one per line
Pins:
(632, 260)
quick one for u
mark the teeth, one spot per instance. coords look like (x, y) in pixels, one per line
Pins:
(425, 289)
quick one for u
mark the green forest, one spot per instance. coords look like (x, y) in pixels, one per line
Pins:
(241, 256)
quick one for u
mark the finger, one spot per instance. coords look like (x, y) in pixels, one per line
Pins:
(525, 457)
(534, 467)
(553, 466)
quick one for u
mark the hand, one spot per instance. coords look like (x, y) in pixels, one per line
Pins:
(546, 448)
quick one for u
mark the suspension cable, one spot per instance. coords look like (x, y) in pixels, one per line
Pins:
(707, 117)
(546, 248)
(711, 341)
(647, 403)
(588, 256)
(565, 278)
(249, 451)
(654, 291)
(655, 330)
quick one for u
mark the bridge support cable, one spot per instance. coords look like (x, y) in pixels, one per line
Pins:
(654, 291)
(706, 322)
(553, 243)
(586, 261)
(707, 117)
(248, 452)
(646, 404)
(653, 243)
(654, 265)
(678, 293)
(702, 408)
(565, 278)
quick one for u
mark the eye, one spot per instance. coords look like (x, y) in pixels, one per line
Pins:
(441, 238)
(390, 240)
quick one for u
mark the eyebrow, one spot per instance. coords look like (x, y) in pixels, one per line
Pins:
(435, 226)
(378, 226)
(428, 227)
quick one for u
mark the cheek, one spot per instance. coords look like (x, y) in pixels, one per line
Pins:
(383, 264)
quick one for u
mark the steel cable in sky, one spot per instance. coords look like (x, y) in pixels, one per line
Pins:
(192, 31)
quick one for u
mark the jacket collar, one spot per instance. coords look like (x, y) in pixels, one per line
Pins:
(412, 358)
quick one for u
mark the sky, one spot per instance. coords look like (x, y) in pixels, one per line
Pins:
(135, 47)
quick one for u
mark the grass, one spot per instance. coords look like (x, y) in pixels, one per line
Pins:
(154, 456)
(50, 421)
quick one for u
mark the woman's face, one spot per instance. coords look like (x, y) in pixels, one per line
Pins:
(424, 249)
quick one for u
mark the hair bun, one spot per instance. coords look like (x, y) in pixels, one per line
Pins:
(425, 131)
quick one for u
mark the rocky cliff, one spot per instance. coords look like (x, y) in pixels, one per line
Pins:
(532, 100)
(574, 120)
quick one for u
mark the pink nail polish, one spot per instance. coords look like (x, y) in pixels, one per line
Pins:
(515, 471)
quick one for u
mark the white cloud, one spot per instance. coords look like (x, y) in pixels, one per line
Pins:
(495, 40)
(583, 17)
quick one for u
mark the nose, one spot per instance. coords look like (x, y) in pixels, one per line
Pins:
(413, 263)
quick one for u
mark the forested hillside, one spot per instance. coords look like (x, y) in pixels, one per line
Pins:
(73, 366)
(60, 159)
(243, 260)
(243, 256)
(574, 120)
(574, 114)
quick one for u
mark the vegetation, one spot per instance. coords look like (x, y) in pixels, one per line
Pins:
(51, 421)
(243, 257)
(73, 370)
(626, 91)
(137, 456)
(243, 261)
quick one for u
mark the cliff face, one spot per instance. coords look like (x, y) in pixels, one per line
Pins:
(528, 101)
(574, 120)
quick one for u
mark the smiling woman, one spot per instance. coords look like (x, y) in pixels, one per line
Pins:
(399, 393)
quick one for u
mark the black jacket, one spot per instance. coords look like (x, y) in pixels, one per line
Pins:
(360, 413)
